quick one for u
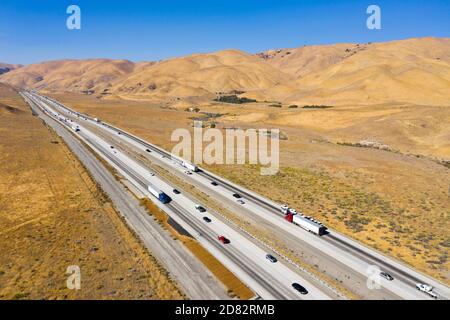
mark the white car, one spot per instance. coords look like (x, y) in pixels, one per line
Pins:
(424, 287)
(427, 289)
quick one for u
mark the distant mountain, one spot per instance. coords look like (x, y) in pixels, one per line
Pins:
(201, 75)
(413, 71)
(5, 67)
(69, 75)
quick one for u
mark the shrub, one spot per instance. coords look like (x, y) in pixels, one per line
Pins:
(234, 99)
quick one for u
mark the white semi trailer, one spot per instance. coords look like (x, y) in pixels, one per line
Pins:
(189, 166)
(158, 194)
(304, 222)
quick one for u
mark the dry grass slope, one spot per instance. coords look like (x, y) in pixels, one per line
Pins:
(414, 71)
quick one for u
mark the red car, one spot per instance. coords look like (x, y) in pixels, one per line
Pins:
(223, 239)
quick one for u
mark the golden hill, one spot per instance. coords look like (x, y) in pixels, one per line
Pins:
(414, 71)
(6, 67)
(201, 75)
(69, 75)
(304, 60)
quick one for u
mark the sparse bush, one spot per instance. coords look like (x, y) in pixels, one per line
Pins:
(234, 99)
(446, 243)
(20, 295)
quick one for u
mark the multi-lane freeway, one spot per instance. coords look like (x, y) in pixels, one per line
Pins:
(241, 256)
(334, 254)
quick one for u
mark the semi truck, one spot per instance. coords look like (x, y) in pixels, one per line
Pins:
(158, 194)
(306, 223)
(189, 166)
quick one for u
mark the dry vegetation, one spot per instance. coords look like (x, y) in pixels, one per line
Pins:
(53, 215)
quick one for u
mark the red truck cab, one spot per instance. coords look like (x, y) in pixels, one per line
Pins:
(223, 239)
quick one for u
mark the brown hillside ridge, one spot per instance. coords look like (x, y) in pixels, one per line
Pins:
(53, 215)
(69, 75)
(413, 71)
(6, 67)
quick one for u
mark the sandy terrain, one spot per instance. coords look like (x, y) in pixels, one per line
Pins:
(52, 215)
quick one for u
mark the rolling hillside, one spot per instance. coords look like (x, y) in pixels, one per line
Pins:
(413, 71)
(202, 75)
(5, 67)
(69, 75)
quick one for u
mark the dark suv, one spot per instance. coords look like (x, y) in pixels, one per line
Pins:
(299, 288)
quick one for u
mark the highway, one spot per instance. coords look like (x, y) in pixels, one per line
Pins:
(341, 255)
(241, 256)
(194, 279)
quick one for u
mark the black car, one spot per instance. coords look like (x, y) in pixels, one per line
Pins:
(176, 191)
(299, 288)
(206, 219)
(271, 258)
(214, 183)
(387, 276)
(112, 147)
(200, 208)
(148, 150)
(237, 196)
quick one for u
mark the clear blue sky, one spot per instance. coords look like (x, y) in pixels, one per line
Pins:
(33, 31)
